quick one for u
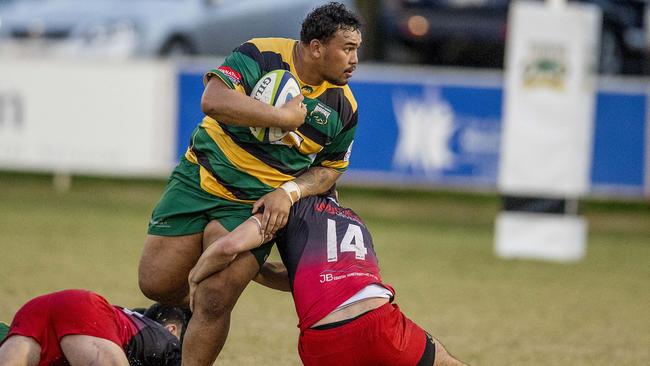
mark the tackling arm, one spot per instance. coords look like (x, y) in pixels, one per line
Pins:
(274, 275)
(221, 252)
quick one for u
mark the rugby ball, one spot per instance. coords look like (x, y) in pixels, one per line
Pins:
(274, 88)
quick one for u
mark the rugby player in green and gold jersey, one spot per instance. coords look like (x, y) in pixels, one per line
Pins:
(226, 174)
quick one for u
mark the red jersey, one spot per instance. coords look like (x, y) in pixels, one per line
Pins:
(329, 256)
(48, 318)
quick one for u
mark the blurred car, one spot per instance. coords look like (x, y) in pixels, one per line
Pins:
(473, 32)
(4, 3)
(128, 28)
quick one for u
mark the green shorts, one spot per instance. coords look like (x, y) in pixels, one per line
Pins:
(185, 209)
(4, 330)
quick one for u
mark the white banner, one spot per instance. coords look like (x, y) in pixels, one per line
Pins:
(540, 236)
(549, 99)
(113, 118)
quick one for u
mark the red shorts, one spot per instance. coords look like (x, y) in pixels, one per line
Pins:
(49, 318)
(383, 336)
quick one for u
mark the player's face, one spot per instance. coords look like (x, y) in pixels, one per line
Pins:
(339, 57)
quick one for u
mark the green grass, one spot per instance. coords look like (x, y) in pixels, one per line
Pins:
(435, 248)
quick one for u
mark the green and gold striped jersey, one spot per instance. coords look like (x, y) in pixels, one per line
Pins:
(235, 166)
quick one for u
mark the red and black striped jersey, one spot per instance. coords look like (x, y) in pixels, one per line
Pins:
(329, 256)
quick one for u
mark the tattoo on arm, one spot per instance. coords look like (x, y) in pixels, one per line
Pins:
(317, 180)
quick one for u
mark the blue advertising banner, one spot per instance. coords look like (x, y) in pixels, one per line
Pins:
(190, 89)
(422, 133)
(418, 132)
(620, 139)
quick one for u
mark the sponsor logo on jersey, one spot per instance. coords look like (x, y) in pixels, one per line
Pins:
(320, 114)
(233, 75)
(333, 209)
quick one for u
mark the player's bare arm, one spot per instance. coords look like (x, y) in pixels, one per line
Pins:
(315, 180)
(221, 252)
(234, 108)
(274, 275)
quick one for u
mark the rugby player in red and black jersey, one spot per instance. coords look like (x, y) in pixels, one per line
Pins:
(79, 327)
(346, 312)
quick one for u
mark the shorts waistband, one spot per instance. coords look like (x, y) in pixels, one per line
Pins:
(353, 323)
(340, 322)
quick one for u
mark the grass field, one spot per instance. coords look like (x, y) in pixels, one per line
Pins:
(436, 249)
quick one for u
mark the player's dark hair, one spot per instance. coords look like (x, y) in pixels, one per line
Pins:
(166, 314)
(323, 22)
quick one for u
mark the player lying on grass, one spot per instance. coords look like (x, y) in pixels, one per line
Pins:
(78, 327)
(346, 314)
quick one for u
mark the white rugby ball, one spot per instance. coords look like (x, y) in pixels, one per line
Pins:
(275, 88)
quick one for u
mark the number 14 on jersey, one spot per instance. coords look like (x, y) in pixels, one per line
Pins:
(352, 242)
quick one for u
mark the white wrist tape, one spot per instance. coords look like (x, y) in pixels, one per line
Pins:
(293, 191)
(259, 227)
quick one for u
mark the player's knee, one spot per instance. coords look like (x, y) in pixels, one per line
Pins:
(166, 292)
(161, 287)
(148, 284)
(164, 266)
(215, 296)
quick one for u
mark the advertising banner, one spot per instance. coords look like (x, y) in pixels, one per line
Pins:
(550, 83)
(428, 127)
(546, 150)
(417, 126)
(418, 133)
(113, 118)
